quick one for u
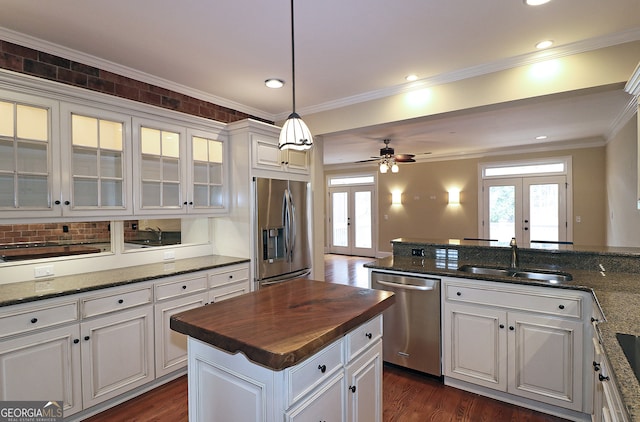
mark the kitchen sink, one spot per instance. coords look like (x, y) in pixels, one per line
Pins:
(553, 277)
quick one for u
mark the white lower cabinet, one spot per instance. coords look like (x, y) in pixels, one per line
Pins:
(117, 354)
(92, 347)
(43, 366)
(364, 386)
(607, 404)
(532, 354)
(342, 382)
(171, 346)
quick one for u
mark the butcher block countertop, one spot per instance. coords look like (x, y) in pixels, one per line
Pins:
(281, 325)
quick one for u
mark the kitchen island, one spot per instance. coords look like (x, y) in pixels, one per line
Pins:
(287, 352)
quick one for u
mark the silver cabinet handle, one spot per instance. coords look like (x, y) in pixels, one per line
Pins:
(404, 286)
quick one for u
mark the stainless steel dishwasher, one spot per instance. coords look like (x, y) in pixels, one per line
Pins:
(411, 336)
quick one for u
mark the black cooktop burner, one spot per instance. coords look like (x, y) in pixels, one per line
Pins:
(631, 347)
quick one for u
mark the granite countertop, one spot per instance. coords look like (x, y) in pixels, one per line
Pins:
(617, 293)
(283, 324)
(30, 291)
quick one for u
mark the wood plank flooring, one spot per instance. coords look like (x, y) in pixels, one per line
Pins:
(407, 396)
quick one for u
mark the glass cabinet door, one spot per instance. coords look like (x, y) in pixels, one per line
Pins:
(96, 168)
(207, 172)
(26, 162)
(159, 167)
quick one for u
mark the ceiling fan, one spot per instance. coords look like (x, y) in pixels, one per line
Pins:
(389, 160)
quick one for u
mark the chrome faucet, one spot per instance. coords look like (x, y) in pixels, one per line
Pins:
(514, 254)
(157, 232)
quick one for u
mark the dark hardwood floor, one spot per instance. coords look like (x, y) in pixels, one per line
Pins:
(407, 396)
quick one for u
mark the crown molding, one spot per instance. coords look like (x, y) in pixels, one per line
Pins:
(90, 60)
(457, 75)
(623, 118)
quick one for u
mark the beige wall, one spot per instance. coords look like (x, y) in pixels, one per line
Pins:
(623, 217)
(425, 213)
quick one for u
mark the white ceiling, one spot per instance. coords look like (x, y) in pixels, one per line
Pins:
(223, 50)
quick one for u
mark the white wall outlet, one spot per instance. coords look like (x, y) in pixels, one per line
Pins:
(44, 271)
(169, 255)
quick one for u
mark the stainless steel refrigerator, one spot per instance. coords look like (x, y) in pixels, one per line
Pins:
(282, 238)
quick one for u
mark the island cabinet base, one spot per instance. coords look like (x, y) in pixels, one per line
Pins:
(341, 382)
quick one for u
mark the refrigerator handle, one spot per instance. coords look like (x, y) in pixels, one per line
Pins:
(293, 225)
(286, 223)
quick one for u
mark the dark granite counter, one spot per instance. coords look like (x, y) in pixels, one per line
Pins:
(29, 291)
(283, 324)
(611, 274)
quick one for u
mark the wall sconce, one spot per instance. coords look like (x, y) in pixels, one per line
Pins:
(396, 198)
(454, 197)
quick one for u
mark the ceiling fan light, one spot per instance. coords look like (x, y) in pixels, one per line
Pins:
(384, 167)
(394, 168)
(295, 134)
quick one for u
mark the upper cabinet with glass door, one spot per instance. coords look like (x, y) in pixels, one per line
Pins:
(177, 170)
(207, 176)
(97, 156)
(29, 160)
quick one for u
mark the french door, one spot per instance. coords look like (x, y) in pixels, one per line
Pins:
(351, 220)
(528, 208)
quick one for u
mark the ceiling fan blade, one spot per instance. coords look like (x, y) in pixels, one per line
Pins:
(405, 160)
(404, 157)
(367, 161)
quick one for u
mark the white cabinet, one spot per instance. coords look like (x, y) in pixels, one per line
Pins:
(178, 170)
(43, 366)
(267, 156)
(364, 386)
(30, 182)
(524, 341)
(185, 292)
(229, 282)
(341, 382)
(117, 354)
(96, 161)
(607, 403)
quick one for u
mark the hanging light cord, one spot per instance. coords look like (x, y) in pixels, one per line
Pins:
(293, 61)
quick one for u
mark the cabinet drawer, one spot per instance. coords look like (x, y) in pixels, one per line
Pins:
(180, 287)
(305, 376)
(115, 301)
(231, 276)
(34, 318)
(363, 336)
(229, 290)
(542, 303)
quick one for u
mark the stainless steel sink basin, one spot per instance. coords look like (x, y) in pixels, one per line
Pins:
(552, 277)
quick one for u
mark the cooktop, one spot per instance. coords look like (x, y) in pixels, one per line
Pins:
(631, 348)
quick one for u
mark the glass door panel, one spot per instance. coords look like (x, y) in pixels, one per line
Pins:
(340, 220)
(351, 222)
(363, 226)
(502, 212)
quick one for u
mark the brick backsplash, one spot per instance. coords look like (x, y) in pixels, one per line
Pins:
(38, 233)
(37, 63)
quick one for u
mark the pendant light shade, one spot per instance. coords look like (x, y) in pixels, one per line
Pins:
(294, 134)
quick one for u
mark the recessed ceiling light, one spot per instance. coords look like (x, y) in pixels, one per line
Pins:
(274, 83)
(544, 44)
(541, 137)
(411, 78)
(535, 2)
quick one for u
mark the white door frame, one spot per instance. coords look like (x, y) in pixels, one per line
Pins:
(352, 182)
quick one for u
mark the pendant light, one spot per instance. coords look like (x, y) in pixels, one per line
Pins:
(294, 134)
